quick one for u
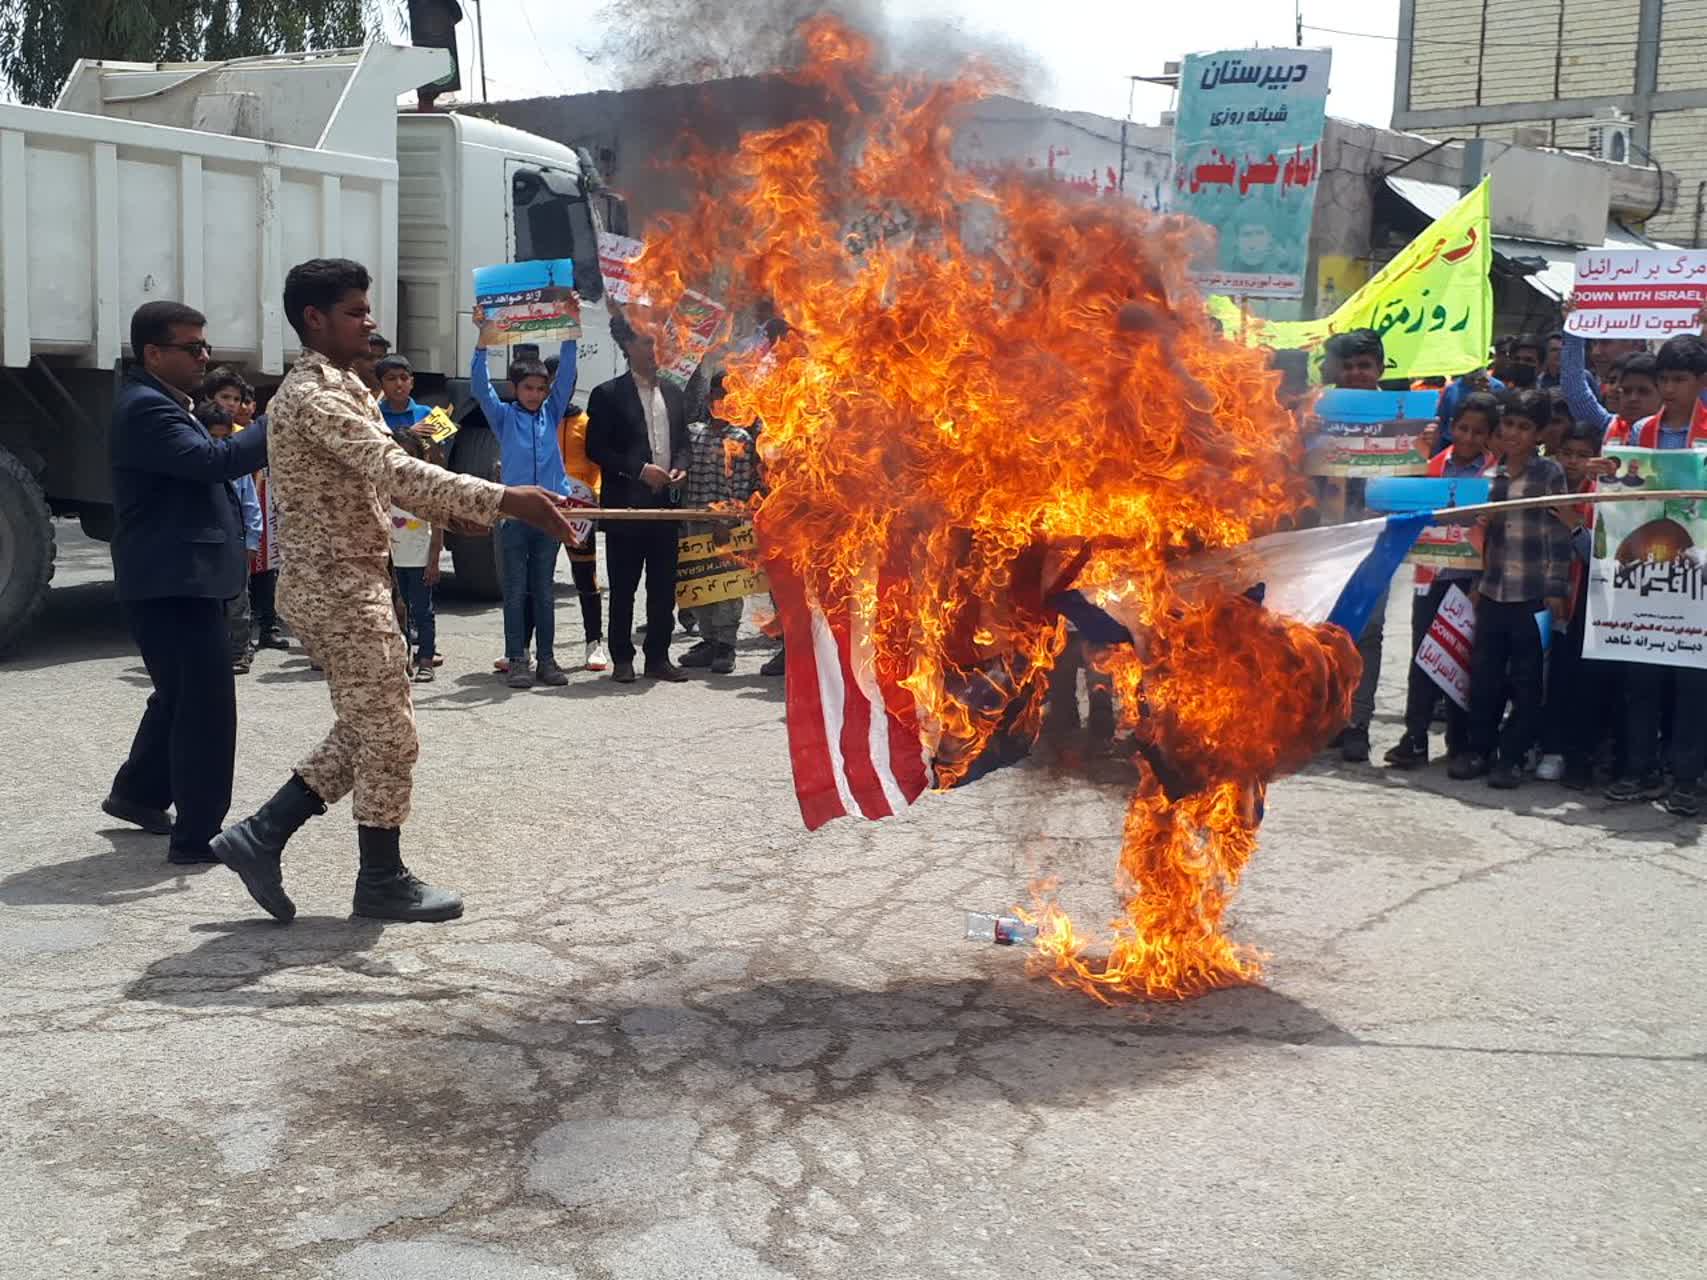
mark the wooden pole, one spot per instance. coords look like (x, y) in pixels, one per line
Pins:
(608, 514)
(1457, 515)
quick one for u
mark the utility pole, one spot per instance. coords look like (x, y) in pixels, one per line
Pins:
(480, 39)
(1298, 21)
(1131, 89)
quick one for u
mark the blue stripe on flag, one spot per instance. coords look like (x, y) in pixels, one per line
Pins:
(1098, 627)
(1363, 590)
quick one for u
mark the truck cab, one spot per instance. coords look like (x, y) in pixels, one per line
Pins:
(205, 183)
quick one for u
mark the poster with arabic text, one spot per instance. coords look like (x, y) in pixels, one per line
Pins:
(1647, 592)
(1638, 293)
(1247, 156)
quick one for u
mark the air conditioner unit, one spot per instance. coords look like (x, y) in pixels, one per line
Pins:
(1609, 137)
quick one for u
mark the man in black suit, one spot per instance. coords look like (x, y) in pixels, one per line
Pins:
(178, 556)
(637, 433)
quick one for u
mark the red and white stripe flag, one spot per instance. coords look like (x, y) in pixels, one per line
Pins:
(854, 737)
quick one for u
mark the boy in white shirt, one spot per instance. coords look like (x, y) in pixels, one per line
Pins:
(416, 547)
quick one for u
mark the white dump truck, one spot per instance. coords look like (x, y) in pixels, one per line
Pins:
(205, 183)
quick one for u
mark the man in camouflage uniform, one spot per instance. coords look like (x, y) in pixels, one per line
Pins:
(335, 471)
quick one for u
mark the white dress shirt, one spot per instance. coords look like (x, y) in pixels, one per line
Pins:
(657, 421)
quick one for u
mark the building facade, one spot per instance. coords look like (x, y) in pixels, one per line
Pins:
(1543, 71)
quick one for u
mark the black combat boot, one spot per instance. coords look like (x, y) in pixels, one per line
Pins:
(385, 888)
(254, 846)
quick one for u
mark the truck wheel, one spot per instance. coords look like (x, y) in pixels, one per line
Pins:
(26, 550)
(476, 558)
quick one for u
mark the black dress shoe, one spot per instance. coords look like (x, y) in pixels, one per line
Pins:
(1354, 744)
(666, 671)
(156, 822)
(191, 855)
(622, 672)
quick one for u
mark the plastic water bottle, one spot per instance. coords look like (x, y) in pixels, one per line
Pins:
(1004, 931)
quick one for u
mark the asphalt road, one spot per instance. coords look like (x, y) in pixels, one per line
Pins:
(675, 1036)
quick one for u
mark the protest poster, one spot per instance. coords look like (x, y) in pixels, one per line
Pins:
(1439, 546)
(1362, 434)
(1647, 595)
(708, 571)
(1448, 546)
(1433, 304)
(616, 265)
(579, 495)
(527, 302)
(442, 424)
(1638, 293)
(693, 326)
(1444, 654)
(1247, 157)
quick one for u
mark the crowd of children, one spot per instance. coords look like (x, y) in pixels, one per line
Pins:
(226, 403)
(1537, 425)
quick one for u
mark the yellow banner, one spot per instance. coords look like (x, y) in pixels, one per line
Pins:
(1433, 304)
(708, 571)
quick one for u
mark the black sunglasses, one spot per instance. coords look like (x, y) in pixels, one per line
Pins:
(191, 348)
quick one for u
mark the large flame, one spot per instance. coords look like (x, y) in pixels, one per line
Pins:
(989, 384)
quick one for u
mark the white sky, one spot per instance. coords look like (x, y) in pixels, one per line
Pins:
(1089, 48)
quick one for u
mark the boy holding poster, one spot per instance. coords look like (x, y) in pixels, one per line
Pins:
(1574, 717)
(720, 469)
(1466, 456)
(1357, 361)
(1681, 423)
(529, 454)
(1525, 568)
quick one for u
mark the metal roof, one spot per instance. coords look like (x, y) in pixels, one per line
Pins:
(1557, 278)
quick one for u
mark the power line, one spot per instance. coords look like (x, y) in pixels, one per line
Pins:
(550, 70)
(1682, 43)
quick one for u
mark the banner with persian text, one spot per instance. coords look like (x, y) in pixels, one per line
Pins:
(1247, 154)
(1638, 293)
(1647, 592)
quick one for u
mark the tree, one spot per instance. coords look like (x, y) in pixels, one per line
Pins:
(41, 39)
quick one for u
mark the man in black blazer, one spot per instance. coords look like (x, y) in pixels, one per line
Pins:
(178, 556)
(637, 433)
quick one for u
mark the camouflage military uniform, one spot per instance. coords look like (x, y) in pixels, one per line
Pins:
(335, 471)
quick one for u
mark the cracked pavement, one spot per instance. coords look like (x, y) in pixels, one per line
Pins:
(675, 1036)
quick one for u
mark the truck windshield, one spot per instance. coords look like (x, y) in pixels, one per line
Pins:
(554, 220)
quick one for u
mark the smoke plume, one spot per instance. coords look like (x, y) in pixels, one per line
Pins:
(658, 42)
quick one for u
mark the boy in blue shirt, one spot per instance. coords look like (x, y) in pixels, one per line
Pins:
(529, 454)
(397, 398)
(215, 418)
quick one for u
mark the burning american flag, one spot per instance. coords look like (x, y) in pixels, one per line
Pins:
(1004, 394)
